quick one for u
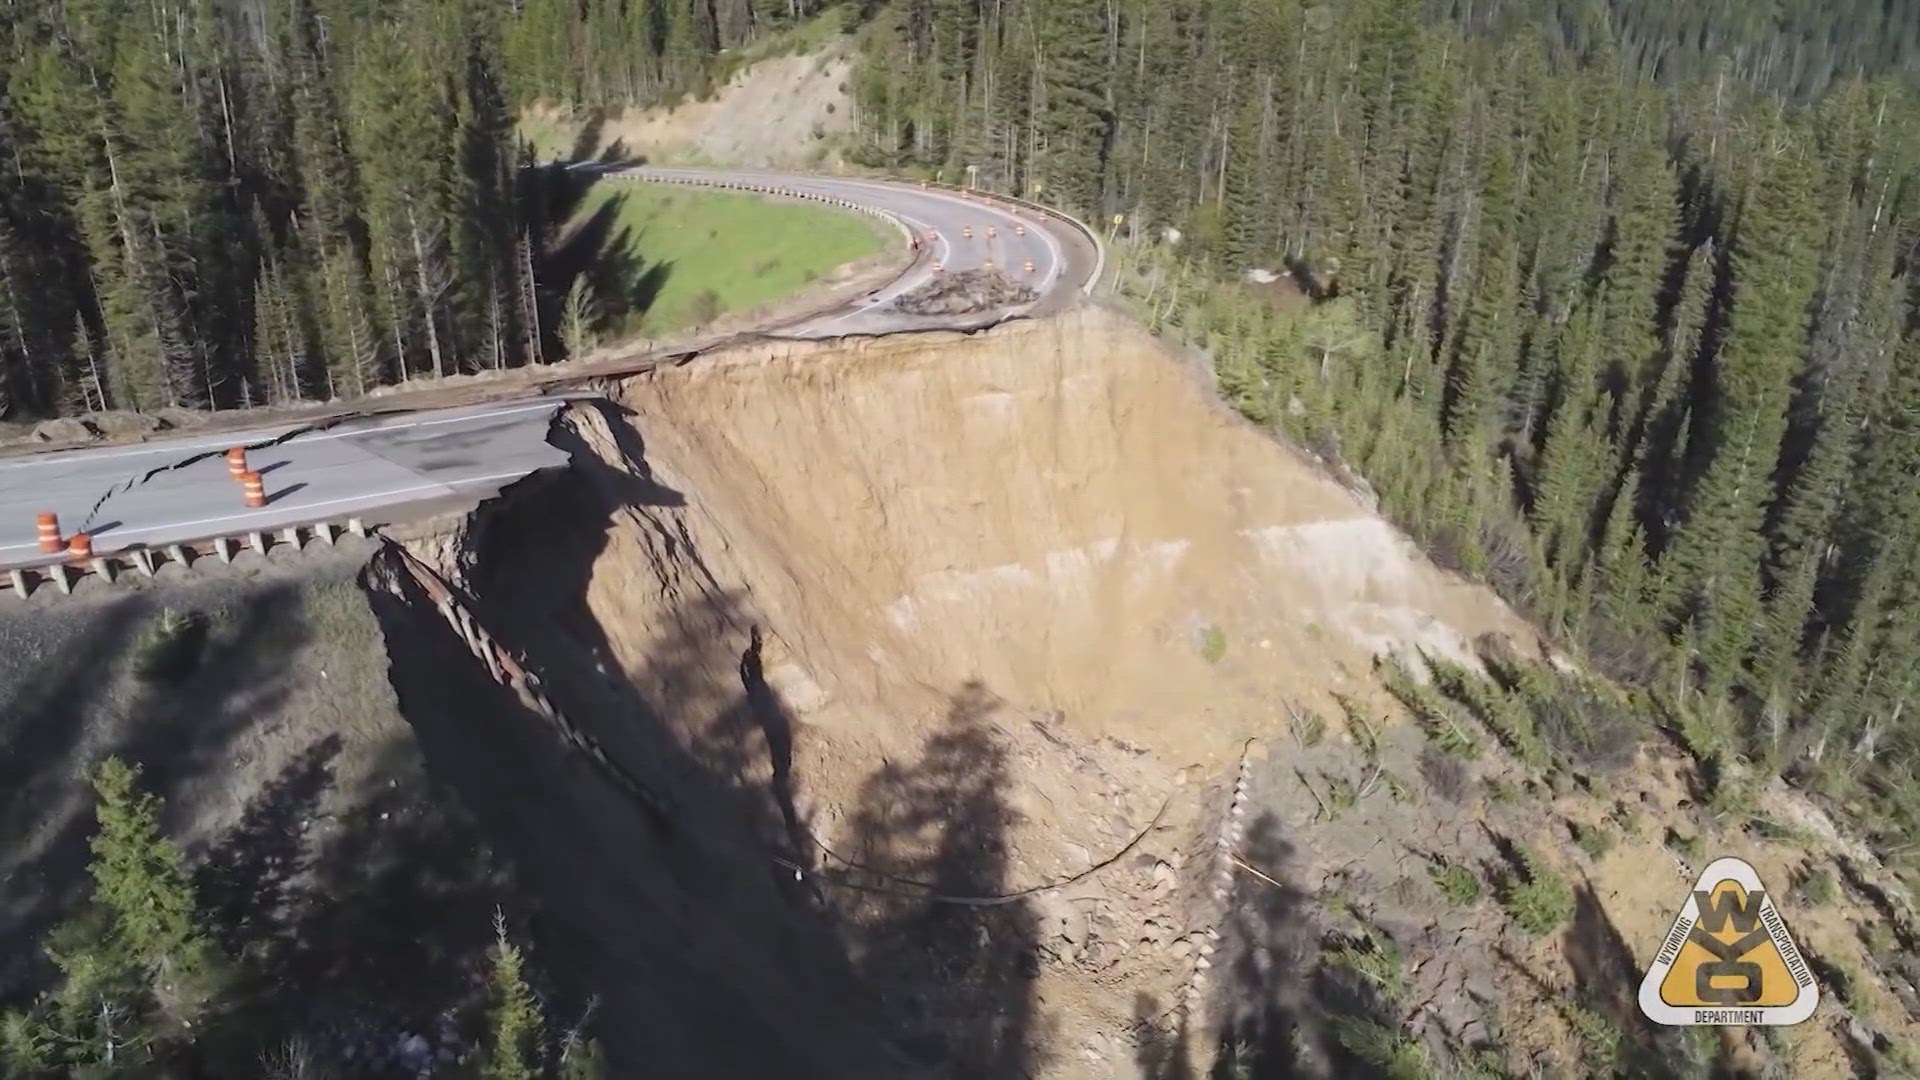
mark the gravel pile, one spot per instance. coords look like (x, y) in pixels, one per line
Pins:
(963, 292)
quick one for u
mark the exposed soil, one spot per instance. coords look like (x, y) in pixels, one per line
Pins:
(976, 611)
(889, 632)
(790, 112)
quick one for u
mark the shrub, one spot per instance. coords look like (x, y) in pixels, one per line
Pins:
(1687, 846)
(169, 648)
(1457, 882)
(1595, 840)
(1395, 1056)
(1376, 961)
(1817, 886)
(1213, 644)
(1599, 1039)
(1308, 727)
(1432, 712)
(1572, 717)
(1341, 795)
(1538, 898)
(1502, 711)
(1360, 728)
(514, 1024)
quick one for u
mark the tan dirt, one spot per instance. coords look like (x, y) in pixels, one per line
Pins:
(791, 112)
(1020, 589)
(1055, 509)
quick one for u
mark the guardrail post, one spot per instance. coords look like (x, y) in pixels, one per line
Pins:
(18, 578)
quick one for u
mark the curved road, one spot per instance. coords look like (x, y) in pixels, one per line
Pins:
(957, 232)
(388, 468)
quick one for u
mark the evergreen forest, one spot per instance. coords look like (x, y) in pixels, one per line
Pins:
(228, 203)
(1612, 304)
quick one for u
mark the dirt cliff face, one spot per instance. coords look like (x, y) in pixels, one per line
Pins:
(1053, 508)
(894, 629)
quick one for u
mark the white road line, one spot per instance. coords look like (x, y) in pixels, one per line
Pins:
(280, 511)
(168, 449)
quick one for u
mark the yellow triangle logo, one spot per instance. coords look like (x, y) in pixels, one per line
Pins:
(1728, 958)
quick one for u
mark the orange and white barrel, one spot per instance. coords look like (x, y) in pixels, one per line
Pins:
(48, 526)
(79, 546)
(237, 462)
(254, 489)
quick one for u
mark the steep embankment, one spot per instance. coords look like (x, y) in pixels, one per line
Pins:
(254, 699)
(782, 112)
(973, 613)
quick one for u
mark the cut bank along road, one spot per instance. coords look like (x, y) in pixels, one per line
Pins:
(383, 468)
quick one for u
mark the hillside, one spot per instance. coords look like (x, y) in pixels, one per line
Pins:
(834, 682)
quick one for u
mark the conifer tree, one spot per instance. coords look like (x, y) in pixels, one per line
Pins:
(1716, 557)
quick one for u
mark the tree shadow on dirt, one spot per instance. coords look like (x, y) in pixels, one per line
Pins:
(247, 878)
(1606, 979)
(1160, 1040)
(930, 843)
(1269, 1020)
(728, 943)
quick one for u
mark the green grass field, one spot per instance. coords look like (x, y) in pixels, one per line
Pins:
(723, 252)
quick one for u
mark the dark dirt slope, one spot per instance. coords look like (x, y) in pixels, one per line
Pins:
(290, 779)
(707, 958)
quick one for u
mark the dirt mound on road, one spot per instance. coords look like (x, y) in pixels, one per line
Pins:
(965, 292)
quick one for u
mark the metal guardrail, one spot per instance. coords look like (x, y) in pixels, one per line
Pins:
(768, 189)
(64, 571)
(1093, 238)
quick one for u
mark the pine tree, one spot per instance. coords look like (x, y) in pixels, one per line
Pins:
(139, 880)
(514, 1024)
(1716, 557)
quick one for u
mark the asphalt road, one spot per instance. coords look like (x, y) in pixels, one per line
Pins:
(957, 233)
(374, 467)
(361, 467)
